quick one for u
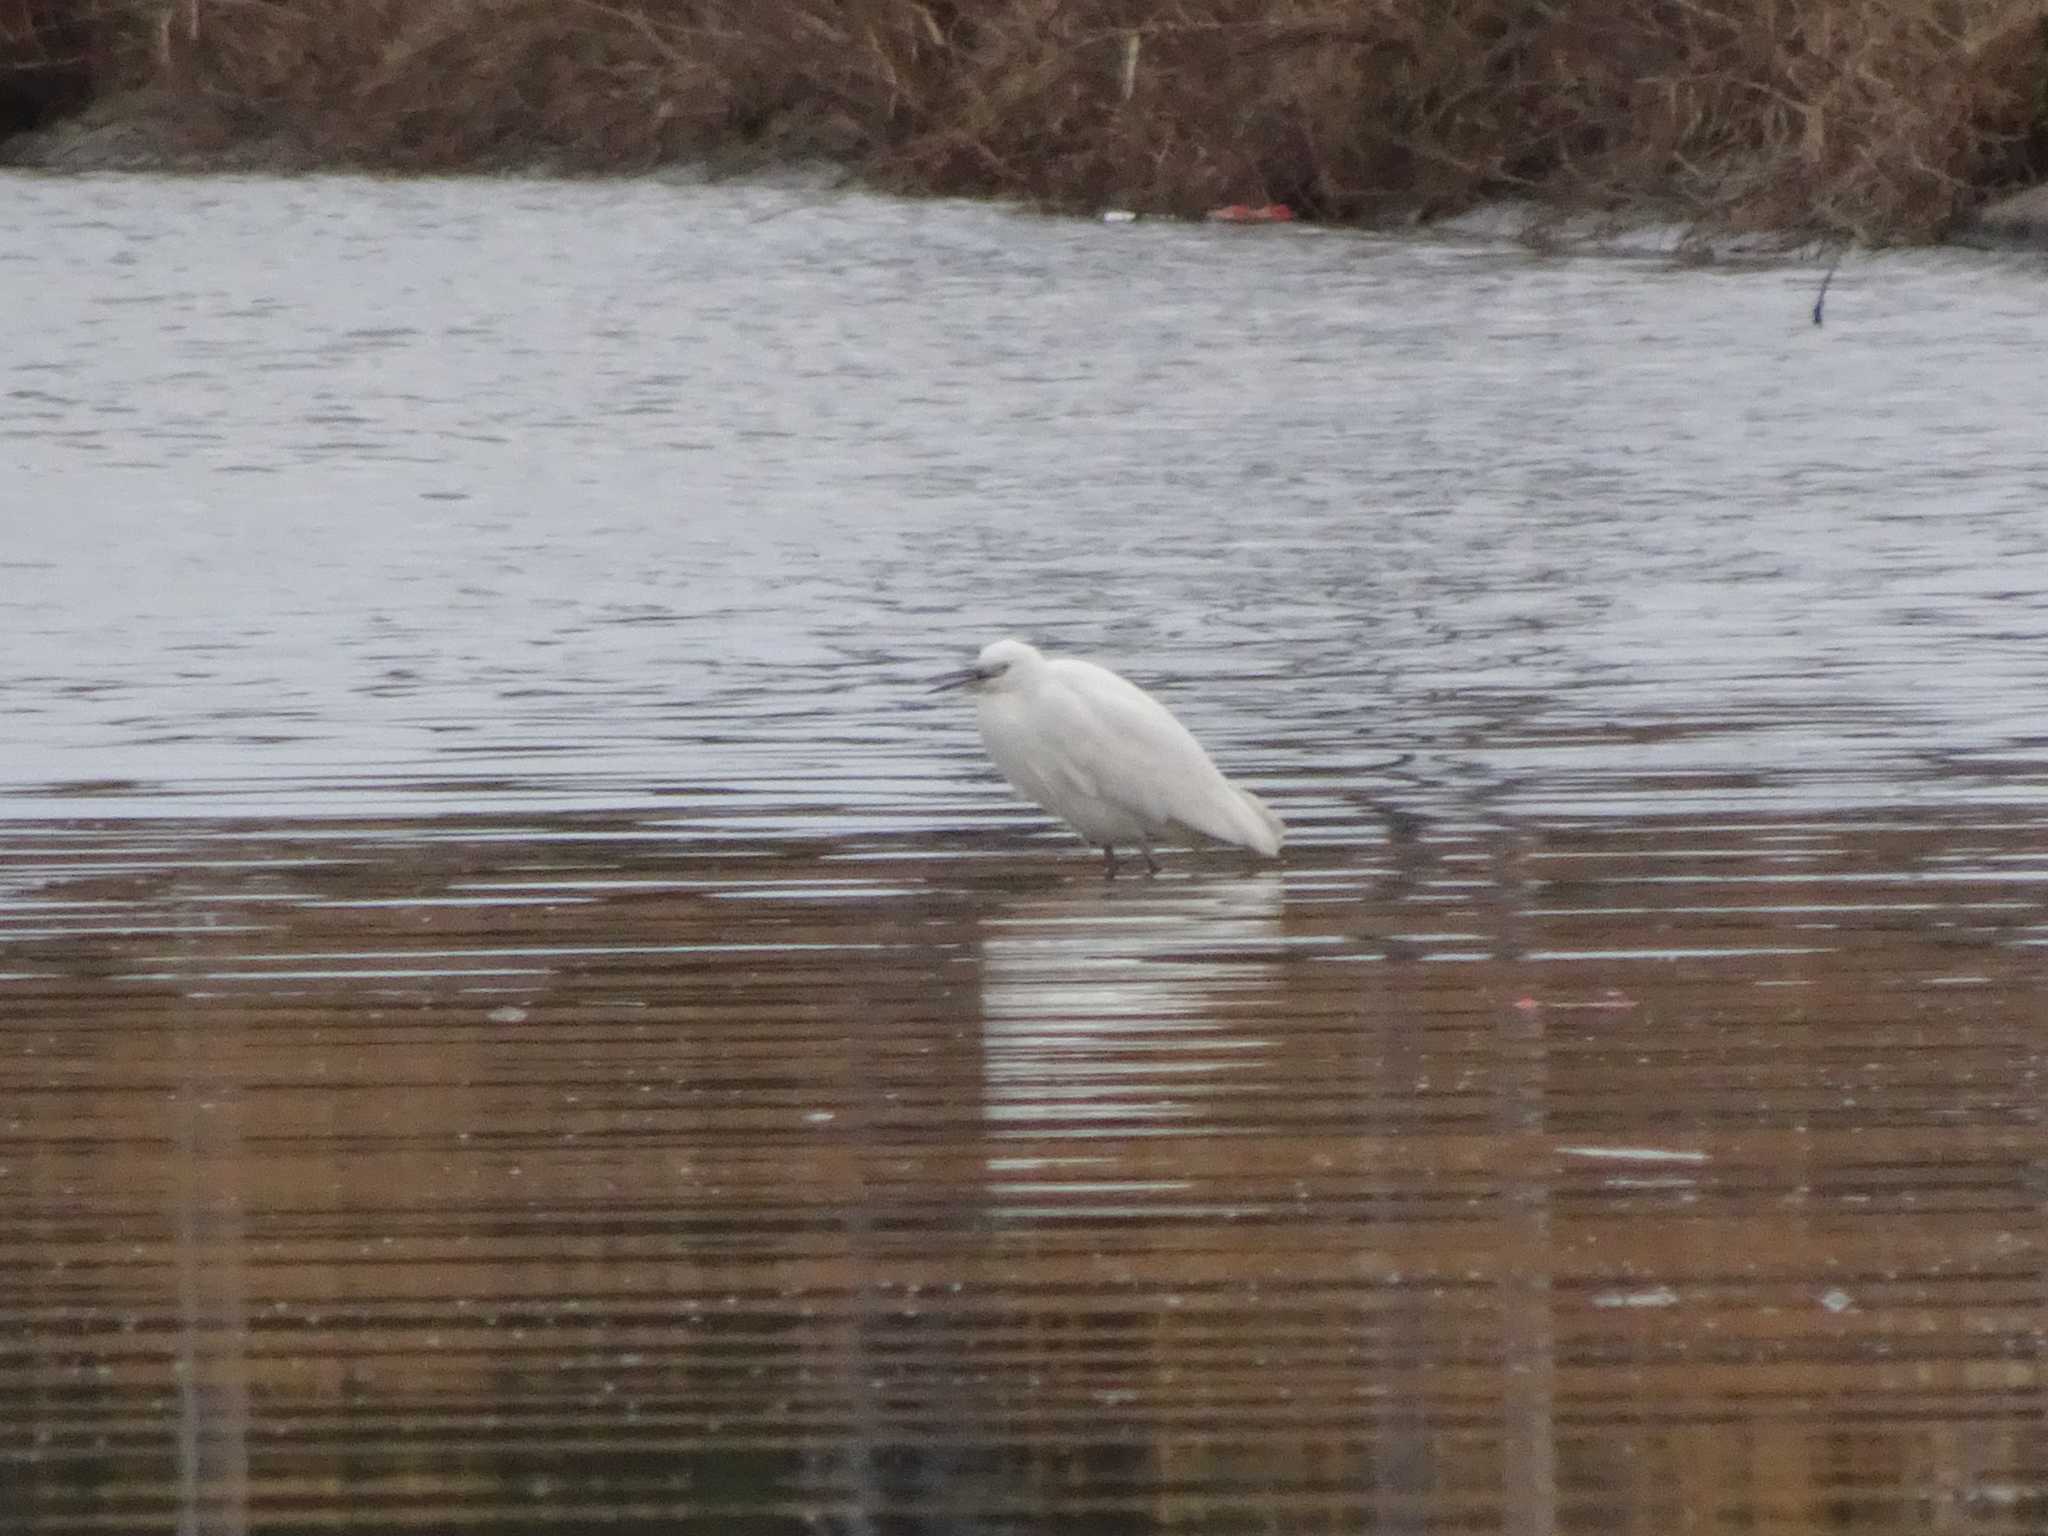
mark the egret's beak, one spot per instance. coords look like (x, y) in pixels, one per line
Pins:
(958, 679)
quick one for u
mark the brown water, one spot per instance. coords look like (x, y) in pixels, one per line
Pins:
(519, 1016)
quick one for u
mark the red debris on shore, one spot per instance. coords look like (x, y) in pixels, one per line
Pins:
(1245, 213)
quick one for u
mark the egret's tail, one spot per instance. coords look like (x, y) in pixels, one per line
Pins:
(1241, 819)
(1264, 828)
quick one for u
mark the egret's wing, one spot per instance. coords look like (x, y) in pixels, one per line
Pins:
(1133, 753)
(1032, 745)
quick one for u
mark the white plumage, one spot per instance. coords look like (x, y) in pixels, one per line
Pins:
(1105, 757)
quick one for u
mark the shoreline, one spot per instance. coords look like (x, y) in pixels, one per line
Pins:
(1900, 122)
(139, 136)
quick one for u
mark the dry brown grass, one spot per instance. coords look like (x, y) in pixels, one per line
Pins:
(1880, 119)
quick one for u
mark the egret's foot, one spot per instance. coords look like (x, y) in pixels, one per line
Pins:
(1108, 863)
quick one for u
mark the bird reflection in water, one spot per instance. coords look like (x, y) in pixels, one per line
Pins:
(1110, 1015)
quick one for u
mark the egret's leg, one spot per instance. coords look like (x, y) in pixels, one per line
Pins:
(1151, 864)
(1108, 861)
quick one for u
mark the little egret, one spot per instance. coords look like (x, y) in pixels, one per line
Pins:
(1104, 756)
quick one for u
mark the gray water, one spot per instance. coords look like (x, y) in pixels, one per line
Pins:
(520, 1012)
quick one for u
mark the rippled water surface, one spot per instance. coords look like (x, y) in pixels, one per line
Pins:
(519, 1014)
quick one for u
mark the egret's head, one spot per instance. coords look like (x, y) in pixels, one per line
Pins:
(1003, 664)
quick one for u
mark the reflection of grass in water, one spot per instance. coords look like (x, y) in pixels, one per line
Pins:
(1879, 119)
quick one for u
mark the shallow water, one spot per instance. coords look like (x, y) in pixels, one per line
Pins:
(520, 1015)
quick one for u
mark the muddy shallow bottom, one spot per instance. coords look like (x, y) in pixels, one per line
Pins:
(521, 1174)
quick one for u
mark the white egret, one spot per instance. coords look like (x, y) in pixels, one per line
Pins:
(1104, 756)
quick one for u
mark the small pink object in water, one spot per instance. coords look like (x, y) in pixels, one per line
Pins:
(1245, 213)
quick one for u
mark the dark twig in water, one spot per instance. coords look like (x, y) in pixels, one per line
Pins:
(1820, 299)
(816, 199)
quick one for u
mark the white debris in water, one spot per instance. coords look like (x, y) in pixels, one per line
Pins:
(1836, 1300)
(820, 1117)
(1656, 1296)
(1635, 1154)
(507, 1015)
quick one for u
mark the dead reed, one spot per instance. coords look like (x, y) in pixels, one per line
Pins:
(1874, 119)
